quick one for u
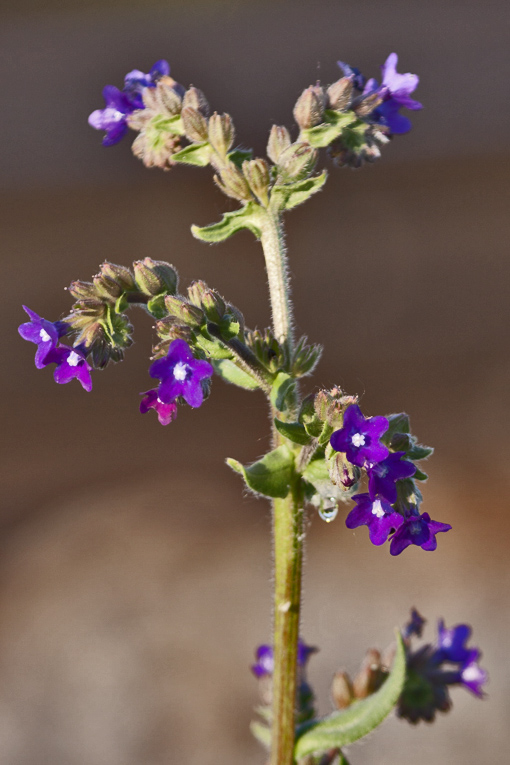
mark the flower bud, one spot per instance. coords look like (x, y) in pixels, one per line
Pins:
(153, 277)
(196, 291)
(279, 140)
(236, 315)
(341, 472)
(256, 173)
(107, 288)
(82, 290)
(233, 183)
(297, 161)
(309, 107)
(221, 133)
(371, 675)
(195, 99)
(119, 274)
(183, 311)
(195, 124)
(213, 305)
(366, 105)
(163, 99)
(90, 335)
(340, 94)
(342, 691)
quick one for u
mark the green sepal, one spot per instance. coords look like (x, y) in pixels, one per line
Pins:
(261, 733)
(270, 476)
(232, 374)
(121, 304)
(398, 423)
(328, 131)
(294, 431)
(293, 194)
(326, 433)
(362, 717)
(282, 386)
(173, 125)
(420, 475)
(232, 222)
(229, 327)
(238, 156)
(156, 306)
(213, 348)
(419, 452)
(198, 154)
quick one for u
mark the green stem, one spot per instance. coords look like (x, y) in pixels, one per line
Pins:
(287, 526)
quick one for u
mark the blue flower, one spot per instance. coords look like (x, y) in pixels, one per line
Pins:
(377, 514)
(417, 530)
(359, 437)
(44, 333)
(181, 374)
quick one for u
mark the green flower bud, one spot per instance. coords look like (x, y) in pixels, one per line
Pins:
(279, 140)
(153, 277)
(256, 173)
(82, 290)
(195, 99)
(119, 274)
(185, 312)
(233, 183)
(340, 94)
(221, 133)
(309, 107)
(213, 305)
(107, 288)
(196, 291)
(195, 124)
(297, 162)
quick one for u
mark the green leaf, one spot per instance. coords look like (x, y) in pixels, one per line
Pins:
(271, 475)
(213, 348)
(343, 728)
(282, 386)
(334, 123)
(293, 194)
(248, 217)
(294, 431)
(156, 306)
(173, 125)
(261, 733)
(197, 154)
(238, 156)
(232, 374)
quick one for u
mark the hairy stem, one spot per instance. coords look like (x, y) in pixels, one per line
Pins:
(287, 526)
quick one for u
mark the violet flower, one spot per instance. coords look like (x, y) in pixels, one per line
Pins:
(166, 412)
(377, 514)
(417, 530)
(264, 665)
(451, 643)
(44, 333)
(135, 81)
(383, 475)
(359, 437)
(181, 374)
(71, 363)
(414, 626)
(472, 676)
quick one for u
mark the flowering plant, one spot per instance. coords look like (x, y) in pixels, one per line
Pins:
(325, 452)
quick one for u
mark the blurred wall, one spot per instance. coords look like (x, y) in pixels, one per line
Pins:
(132, 594)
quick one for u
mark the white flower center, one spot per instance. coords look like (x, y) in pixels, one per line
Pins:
(180, 371)
(73, 359)
(44, 336)
(358, 439)
(470, 673)
(377, 509)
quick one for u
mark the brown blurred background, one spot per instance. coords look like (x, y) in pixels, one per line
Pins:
(134, 575)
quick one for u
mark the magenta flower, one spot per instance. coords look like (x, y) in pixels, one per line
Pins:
(359, 437)
(71, 363)
(417, 530)
(181, 374)
(383, 475)
(44, 333)
(377, 514)
(166, 412)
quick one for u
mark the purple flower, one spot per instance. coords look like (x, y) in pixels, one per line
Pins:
(417, 530)
(451, 643)
(375, 513)
(264, 665)
(42, 332)
(112, 118)
(382, 475)
(166, 412)
(71, 362)
(135, 81)
(472, 676)
(395, 89)
(354, 73)
(414, 626)
(359, 437)
(181, 374)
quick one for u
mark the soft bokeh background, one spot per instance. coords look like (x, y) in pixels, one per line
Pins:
(134, 575)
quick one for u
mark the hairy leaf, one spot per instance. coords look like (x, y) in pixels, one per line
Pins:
(232, 374)
(197, 154)
(328, 131)
(293, 194)
(248, 217)
(271, 475)
(294, 431)
(282, 386)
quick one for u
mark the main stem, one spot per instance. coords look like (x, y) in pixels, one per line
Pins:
(287, 526)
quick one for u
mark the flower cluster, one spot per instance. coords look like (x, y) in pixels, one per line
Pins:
(393, 94)
(433, 668)
(70, 362)
(391, 505)
(121, 103)
(181, 375)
